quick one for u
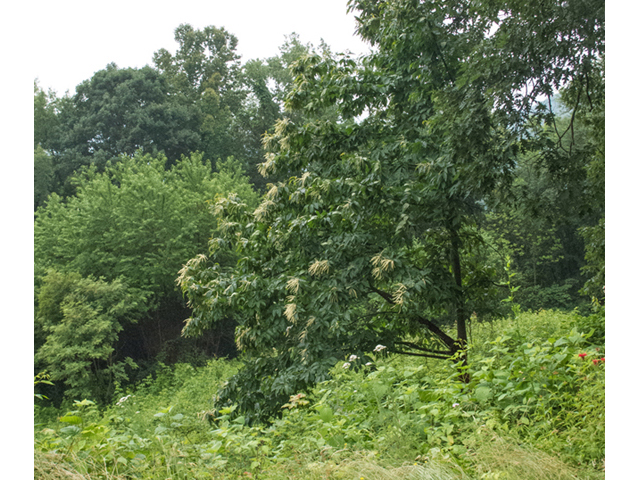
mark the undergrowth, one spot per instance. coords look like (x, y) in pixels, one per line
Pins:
(534, 410)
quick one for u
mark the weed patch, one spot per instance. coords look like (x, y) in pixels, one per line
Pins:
(534, 409)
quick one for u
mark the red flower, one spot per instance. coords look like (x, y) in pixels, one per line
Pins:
(595, 361)
(582, 355)
(602, 359)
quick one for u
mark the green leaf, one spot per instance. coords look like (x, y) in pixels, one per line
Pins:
(72, 419)
(326, 414)
(215, 446)
(336, 441)
(483, 394)
(70, 430)
(560, 341)
(240, 420)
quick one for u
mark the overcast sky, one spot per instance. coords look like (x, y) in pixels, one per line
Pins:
(74, 39)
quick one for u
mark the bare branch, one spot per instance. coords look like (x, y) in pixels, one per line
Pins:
(424, 355)
(446, 339)
(422, 349)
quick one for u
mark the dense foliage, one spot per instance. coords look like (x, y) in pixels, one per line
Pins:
(344, 225)
(378, 236)
(533, 410)
(80, 319)
(133, 224)
(136, 219)
(198, 99)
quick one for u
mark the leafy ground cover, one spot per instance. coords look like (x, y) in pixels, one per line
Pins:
(534, 410)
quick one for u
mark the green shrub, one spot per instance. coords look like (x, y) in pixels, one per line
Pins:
(81, 319)
(547, 385)
(562, 296)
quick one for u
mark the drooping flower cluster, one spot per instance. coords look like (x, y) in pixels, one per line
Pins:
(379, 348)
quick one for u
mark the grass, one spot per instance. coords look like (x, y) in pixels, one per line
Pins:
(516, 461)
(48, 466)
(533, 411)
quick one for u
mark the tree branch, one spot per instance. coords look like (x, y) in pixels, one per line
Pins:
(573, 116)
(428, 350)
(555, 126)
(375, 314)
(446, 339)
(439, 357)
(383, 294)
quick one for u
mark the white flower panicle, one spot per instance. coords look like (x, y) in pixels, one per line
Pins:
(122, 400)
(319, 267)
(346, 365)
(353, 358)
(379, 348)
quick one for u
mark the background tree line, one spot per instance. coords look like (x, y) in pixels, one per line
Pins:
(400, 186)
(199, 99)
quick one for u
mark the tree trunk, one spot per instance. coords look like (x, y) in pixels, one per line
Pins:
(461, 341)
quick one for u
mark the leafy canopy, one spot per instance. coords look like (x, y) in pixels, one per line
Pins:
(135, 219)
(136, 223)
(376, 240)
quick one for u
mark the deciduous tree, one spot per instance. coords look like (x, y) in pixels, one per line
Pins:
(139, 223)
(117, 112)
(375, 240)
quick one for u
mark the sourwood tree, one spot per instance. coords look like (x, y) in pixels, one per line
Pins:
(376, 240)
(268, 82)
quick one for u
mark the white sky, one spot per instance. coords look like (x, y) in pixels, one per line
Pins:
(77, 38)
